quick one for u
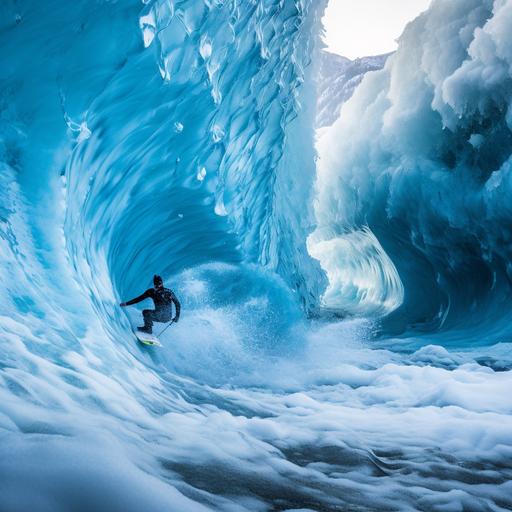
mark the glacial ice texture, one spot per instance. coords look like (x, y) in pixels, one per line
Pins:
(421, 156)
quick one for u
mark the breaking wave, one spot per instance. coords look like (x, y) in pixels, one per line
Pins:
(178, 137)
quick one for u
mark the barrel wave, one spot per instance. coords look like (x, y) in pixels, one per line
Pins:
(344, 341)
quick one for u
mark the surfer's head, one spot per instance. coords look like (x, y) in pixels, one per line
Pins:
(157, 281)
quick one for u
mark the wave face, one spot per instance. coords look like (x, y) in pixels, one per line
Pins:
(215, 142)
(177, 137)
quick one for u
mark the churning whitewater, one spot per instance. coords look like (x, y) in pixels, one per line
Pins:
(345, 339)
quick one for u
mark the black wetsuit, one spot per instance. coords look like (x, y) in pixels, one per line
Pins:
(163, 299)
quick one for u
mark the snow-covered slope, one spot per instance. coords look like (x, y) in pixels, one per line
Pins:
(338, 77)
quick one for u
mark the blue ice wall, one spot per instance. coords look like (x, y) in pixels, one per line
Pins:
(205, 139)
(178, 133)
(421, 156)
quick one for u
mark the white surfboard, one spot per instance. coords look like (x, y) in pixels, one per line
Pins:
(147, 339)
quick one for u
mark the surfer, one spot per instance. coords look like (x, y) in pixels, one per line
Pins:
(163, 299)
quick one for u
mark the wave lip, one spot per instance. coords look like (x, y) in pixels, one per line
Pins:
(362, 278)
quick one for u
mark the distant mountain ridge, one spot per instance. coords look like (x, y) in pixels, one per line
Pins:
(337, 81)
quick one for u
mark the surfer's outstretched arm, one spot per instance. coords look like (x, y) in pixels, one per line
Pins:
(146, 295)
(177, 305)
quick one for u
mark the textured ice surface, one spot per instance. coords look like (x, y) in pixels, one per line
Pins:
(421, 156)
(109, 113)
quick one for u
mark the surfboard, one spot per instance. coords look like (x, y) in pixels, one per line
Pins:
(147, 339)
